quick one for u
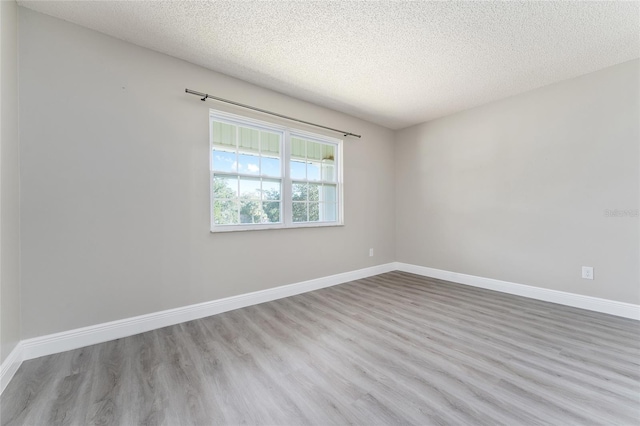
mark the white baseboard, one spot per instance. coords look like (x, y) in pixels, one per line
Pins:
(80, 337)
(10, 366)
(621, 309)
(85, 336)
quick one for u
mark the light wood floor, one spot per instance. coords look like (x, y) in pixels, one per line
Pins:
(392, 349)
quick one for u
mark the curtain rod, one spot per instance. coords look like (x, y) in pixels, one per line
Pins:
(206, 96)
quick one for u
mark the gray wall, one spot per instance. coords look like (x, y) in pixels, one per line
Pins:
(517, 190)
(115, 186)
(9, 182)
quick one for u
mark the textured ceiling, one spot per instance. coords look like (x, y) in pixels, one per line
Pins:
(394, 63)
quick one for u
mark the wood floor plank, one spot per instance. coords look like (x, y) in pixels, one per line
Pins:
(396, 348)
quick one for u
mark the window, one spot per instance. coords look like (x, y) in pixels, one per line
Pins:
(265, 176)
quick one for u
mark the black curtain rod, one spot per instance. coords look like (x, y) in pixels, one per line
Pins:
(206, 96)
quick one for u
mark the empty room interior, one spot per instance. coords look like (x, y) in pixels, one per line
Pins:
(319, 212)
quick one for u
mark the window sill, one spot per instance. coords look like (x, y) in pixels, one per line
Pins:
(231, 228)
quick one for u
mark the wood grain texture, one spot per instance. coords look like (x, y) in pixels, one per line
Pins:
(396, 348)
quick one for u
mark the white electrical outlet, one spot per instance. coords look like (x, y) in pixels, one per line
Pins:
(370, 252)
(587, 272)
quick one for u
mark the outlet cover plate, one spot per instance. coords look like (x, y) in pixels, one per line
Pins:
(587, 272)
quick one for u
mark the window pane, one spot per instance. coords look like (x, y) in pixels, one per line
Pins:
(313, 171)
(328, 172)
(298, 149)
(270, 166)
(298, 170)
(224, 134)
(329, 193)
(299, 192)
(314, 151)
(299, 212)
(328, 212)
(225, 187)
(272, 210)
(314, 191)
(248, 140)
(248, 164)
(225, 212)
(271, 190)
(328, 153)
(251, 212)
(314, 212)
(270, 144)
(250, 188)
(224, 161)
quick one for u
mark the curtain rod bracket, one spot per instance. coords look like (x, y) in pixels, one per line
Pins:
(206, 96)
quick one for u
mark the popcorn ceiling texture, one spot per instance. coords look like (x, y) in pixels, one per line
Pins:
(393, 63)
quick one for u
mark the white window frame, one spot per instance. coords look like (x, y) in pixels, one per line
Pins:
(285, 159)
